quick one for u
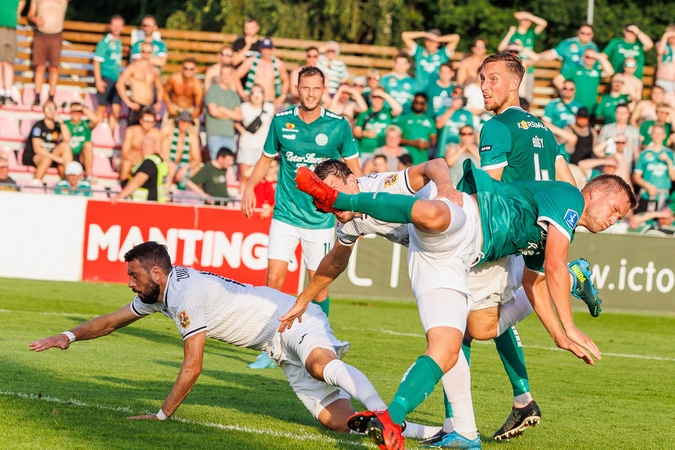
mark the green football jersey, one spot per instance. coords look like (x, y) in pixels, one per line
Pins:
(449, 134)
(109, 54)
(401, 89)
(158, 49)
(653, 170)
(305, 144)
(373, 121)
(587, 82)
(427, 65)
(618, 50)
(646, 131)
(560, 113)
(667, 57)
(526, 40)
(521, 144)
(79, 134)
(515, 216)
(570, 51)
(439, 98)
(416, 126)
(607, 107)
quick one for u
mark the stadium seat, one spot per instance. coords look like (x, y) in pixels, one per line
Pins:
(28, 95)
(64, 97)
(102, 136)
(10, 131)
(101, 167)
(91, 101)
(31, 186)
(99, 192)
(26, 126)
(118, 133)
(14, 165)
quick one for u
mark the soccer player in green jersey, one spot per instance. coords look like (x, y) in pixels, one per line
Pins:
(494, 220)
(80, 135)
(302, 137)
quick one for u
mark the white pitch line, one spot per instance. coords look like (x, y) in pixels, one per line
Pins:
(539, 347)
(126, 409)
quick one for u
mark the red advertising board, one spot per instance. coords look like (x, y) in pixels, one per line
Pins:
(217, 240)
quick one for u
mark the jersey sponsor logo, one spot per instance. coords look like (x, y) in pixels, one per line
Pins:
(288, 136)
(571, 218)
(524, 125)
(390, 180)
(537, 142)
(310, 159)
(289, 125)
(382, 116)
(486, 148)
(290, 128)
(183, 319)
(321, 139)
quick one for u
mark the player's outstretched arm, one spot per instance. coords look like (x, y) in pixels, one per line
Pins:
(537, 291)
(330, 267)
(193, 349)
(97, 327)
(437, 171)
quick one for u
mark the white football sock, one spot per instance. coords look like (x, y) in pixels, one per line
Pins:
(457, 386)
(354, 382)
(417, 431)
(522, 400)
(512, 313)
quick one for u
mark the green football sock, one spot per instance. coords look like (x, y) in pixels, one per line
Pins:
(325, 305)
(416, 386)
(392, 208)
(466, 348)
(511, 353)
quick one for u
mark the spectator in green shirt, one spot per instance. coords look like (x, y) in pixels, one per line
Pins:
(524, 36)
(80, 135)
(633, 45)
(608, 102)
(586, 77)
(107, 68)
(664, 116)
(418, 130)
(211, 180)
(371, 125)
(571, 50)
(430, 57)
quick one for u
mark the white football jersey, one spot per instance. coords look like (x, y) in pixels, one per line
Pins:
(233, 312)
(393, 183)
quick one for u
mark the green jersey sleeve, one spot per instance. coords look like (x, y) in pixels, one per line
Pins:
(495, 144)
(611, 48)
(560, 207)
(100, 53)
(347, 148)
(271, 147)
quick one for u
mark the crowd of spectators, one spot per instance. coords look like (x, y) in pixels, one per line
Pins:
(428, 106)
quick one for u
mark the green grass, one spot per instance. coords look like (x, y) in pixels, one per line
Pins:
(80, 398)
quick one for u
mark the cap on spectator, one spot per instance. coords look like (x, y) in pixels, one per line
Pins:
(184, 116)
(332, 45)
(266, 43)
(582, 112)
(74, 168)
(435, 31)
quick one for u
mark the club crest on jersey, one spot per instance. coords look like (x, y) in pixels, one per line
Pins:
(571, 218)
(390, 180)
(183, 319)
(321, 139)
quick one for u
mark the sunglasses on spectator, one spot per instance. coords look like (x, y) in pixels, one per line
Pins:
(78, 111)
(148, 119)
(466, 133)
(146, 51)
(590, 57)
(630, 64)
(567, 88)
(377, 97)
(50, 108)
(585, 33)
(189, 68)
(256, 93)
(376, 78)
(419, 102)
(148, 25)
(479, 46)
(360, 85)
(619, 142)
(226, 53)
(312, 55)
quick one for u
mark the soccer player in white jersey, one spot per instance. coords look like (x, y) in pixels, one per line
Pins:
(207, 305)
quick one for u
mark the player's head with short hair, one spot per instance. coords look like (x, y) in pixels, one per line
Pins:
(607, 198)
(512, 63)
(333, 167)
(148, 256)
(311, 87)
(311, 71)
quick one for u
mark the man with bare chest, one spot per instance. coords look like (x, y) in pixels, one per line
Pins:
(144, 80)
(267, 71)
(646, 109)
(183, 92)
(469, 66)
(131, 147)
(48, 17)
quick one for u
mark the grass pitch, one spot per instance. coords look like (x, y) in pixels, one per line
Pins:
(80, 398)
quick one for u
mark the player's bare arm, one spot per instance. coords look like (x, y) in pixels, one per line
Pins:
(248, 197)
(537, 292)
(193, 348)
(331, 266)
(95, 328)
(558, 281)
(437, 171)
